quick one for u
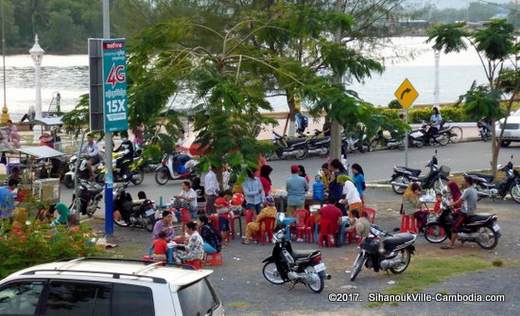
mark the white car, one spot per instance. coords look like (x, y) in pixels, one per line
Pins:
(100, 287)
(511, 130)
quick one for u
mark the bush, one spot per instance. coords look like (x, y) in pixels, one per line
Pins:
(29, 244)
(394, 104)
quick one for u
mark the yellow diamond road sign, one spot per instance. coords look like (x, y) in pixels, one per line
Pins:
(406, 94)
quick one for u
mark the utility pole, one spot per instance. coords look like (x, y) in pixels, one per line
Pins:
(5, 114)
(109, 218)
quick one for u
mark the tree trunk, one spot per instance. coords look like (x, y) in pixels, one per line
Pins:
(335, 140)
(292, 107)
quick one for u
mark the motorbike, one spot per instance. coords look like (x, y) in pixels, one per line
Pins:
(70, 175)
(134, 213)
(484, 129)
(318, 144)
(351, 143)
(486, 188)
(175, 167)
(135, 169)
(436, 179)
(480, 228)
(87, 201)
(288, 147)
(384, 251)
(386, 140)
(296, 266)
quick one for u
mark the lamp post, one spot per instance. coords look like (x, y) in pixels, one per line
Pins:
(436, 89)
(37, 56)
(5, 113)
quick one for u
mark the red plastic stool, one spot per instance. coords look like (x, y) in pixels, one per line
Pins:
(408, 224)
(214, 259)
(250, 216)
(371, 214)
(196, 263)
(215, 224)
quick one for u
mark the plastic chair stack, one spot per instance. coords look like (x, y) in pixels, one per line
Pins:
(408, 224)
(213, 219)
(300, 226)
(213, 259)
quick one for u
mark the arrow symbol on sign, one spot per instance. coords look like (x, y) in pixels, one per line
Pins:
(407, 90)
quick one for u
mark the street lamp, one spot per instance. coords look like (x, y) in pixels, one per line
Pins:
(37, 56)
(4, 117)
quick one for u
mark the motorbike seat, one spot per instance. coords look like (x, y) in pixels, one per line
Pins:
(300, 254)
(396, 240)
(415, 172)
(486, 177)
(478, 218)
(294, 141)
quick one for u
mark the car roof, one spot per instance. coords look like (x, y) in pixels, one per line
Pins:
(108, 268)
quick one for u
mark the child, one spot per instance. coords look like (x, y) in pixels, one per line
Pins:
(438, 203)
(222, 208)
(160, 246)
(318, 190)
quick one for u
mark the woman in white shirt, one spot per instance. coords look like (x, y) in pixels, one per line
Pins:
(352, 198)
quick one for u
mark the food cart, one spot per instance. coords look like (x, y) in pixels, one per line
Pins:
(31, 159)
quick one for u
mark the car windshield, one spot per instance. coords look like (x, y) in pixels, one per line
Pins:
(197, 298)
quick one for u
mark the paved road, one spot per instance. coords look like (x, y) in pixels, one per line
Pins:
(377, 165)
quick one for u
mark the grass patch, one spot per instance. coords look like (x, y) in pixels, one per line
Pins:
(424, 272)
(239, 305)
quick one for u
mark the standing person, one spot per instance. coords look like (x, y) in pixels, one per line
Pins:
(303, 174)
(297, 188)
(469, 200)
(352, 198)
(6, 203)
(211, 189)
(14, 137)
(330, 220)
(358, 177)
(188, 197)
(253, 192)
(265, 172)
(212, 240)
(138, 132)
(335, 188)
(91, 150)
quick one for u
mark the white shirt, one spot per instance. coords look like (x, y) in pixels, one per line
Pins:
(351, 193)
(190, 195)
(211, 186)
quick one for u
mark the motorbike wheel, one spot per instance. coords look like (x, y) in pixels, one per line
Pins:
(68, 182)
(399, 189)
(442, 139)
(319, 282)
(419, 144)
(434, 233)
(301, 154)
(162, 176)
(148, 223)
(138, 177)
(406, 256)
(374, 144)
(358, 264)
(271, 273)
(515, 192)
(488, 238)
(456, 134)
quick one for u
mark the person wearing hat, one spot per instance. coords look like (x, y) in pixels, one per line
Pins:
(269, 211)
(297, 188)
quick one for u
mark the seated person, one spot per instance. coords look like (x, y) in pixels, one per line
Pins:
(253, 228)
(437, 207)
(160, 248)
(360, 224)
(194, 250)
(222, 208)
(164, 224)
(63, 215)
(212, 239)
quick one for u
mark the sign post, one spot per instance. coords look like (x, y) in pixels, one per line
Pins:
(406, 94)
(108, 104)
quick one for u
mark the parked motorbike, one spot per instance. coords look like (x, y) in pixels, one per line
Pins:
(436, 179)
(287, 147)
(480, 228)
(87, 201)
(175, 167)
(351, 143)
(318, 144)
(416, 138)
(488, 189)
(439, 137)
(296, 266)
(134, 213)
(484, 129)
(386, 140)
(384, 251)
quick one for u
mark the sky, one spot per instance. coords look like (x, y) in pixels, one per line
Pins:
(458, 4)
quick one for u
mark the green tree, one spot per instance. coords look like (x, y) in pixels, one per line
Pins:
(495, 45)
(77, 118)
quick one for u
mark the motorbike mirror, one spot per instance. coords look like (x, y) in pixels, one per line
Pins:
(499, 166)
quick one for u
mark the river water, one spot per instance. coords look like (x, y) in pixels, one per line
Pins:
(68, 75)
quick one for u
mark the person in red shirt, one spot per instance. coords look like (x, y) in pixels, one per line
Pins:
(265, 172)
(160, 246)
(330, 217)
